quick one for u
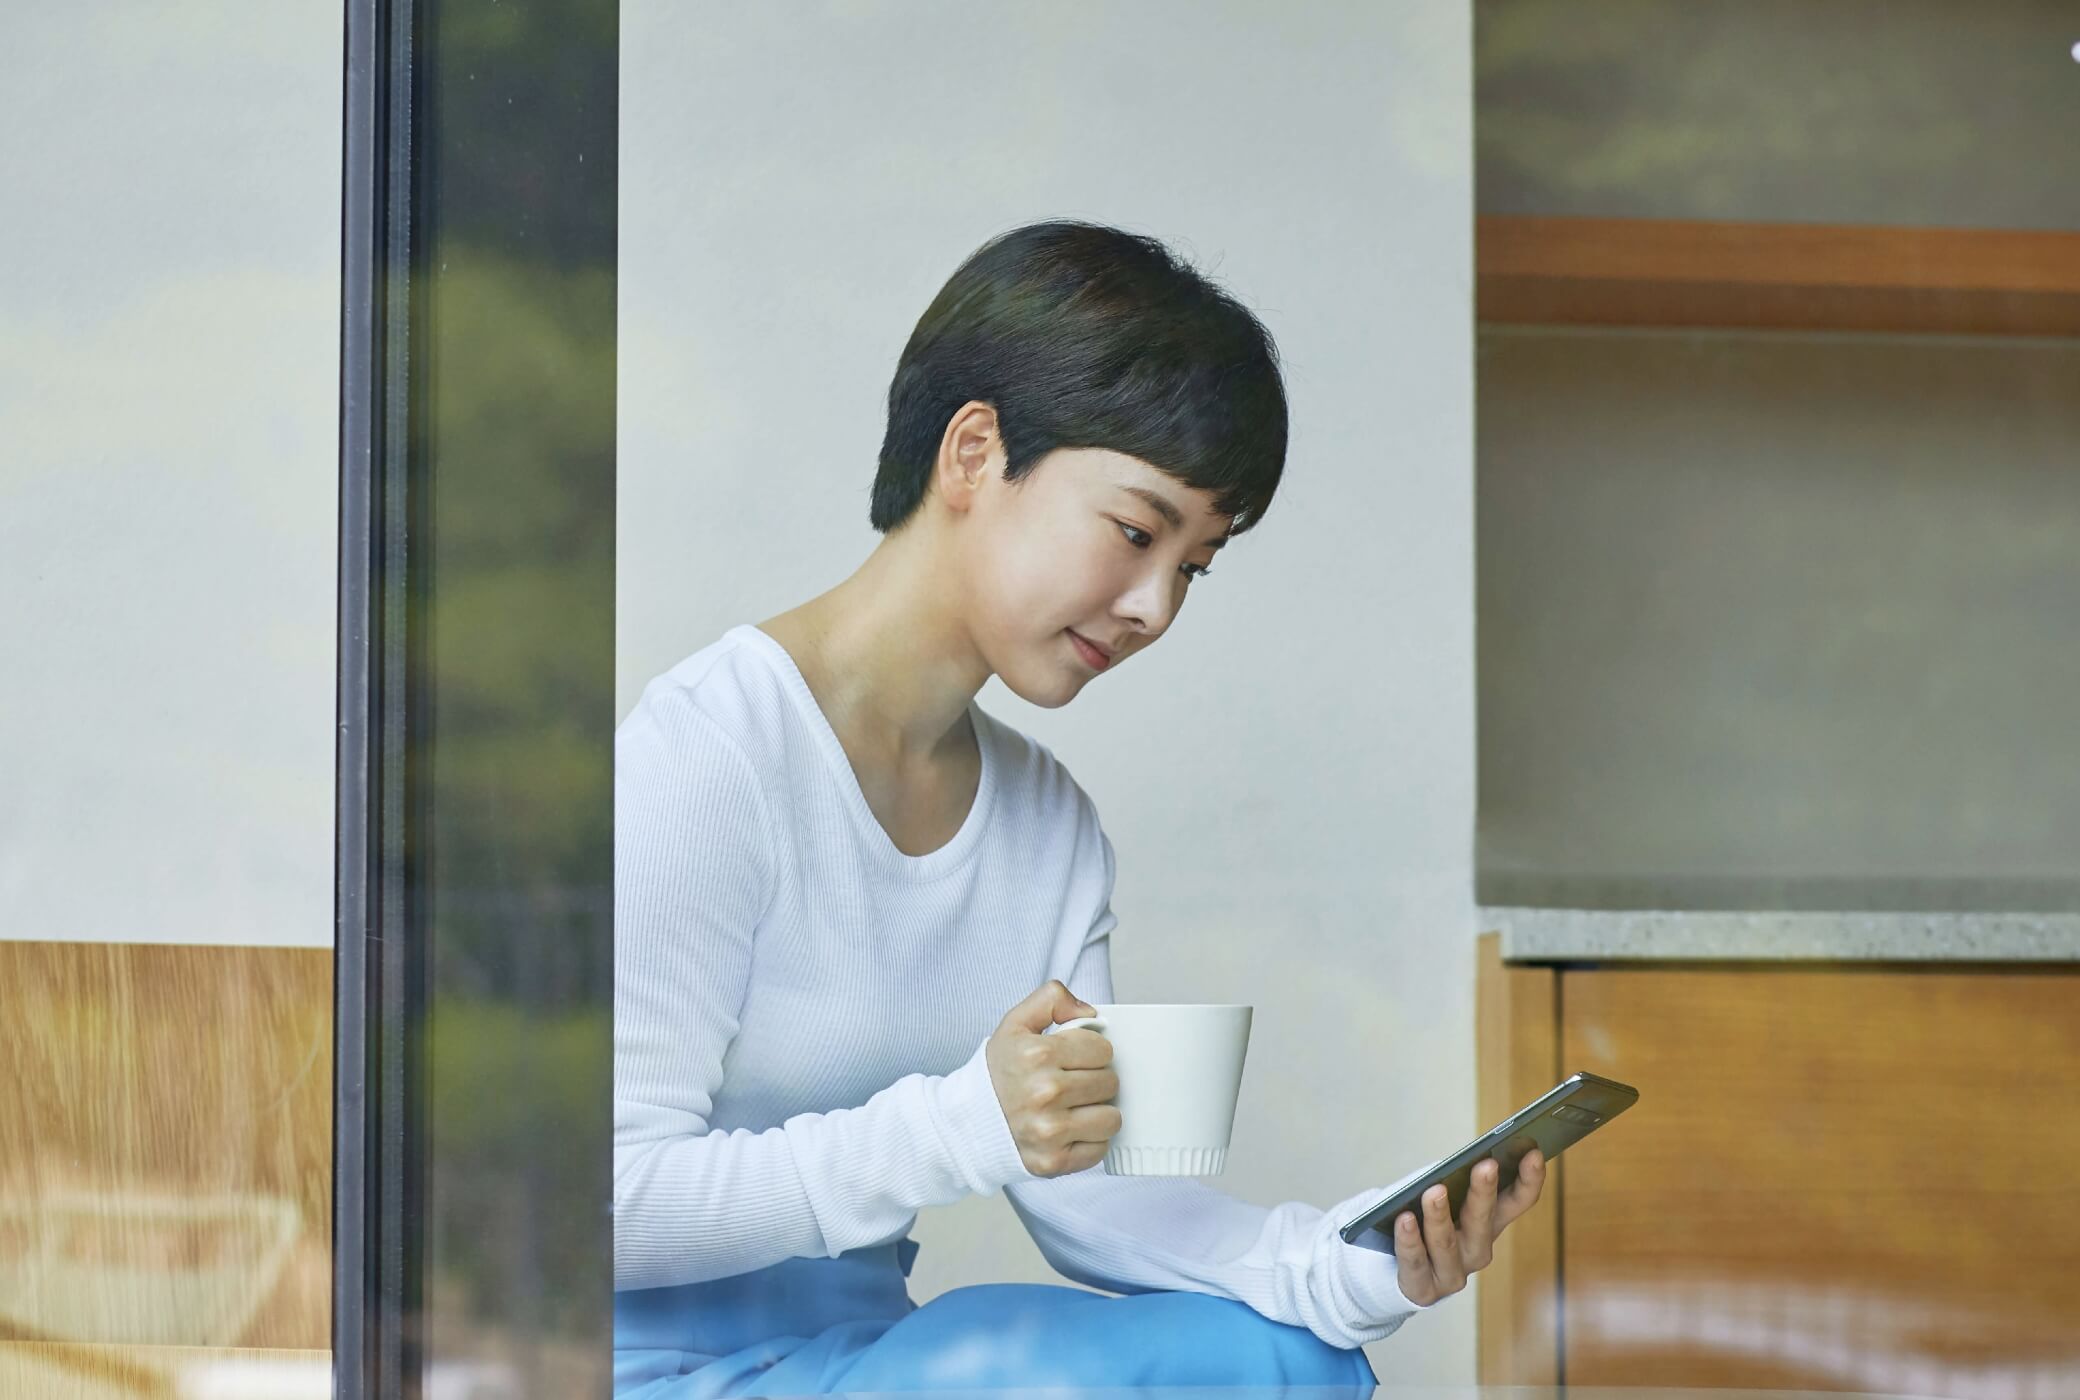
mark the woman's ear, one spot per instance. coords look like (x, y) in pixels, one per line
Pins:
(968, 451)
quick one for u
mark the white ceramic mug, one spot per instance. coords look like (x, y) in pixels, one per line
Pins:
(1180, 1070)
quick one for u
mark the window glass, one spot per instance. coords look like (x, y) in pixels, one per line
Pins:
(169, 330)
(507, 779)
(1778, 578)
(1898, 112)
(1284, 784)
(1777, 401)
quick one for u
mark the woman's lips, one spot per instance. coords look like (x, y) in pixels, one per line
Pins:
(1092, 657)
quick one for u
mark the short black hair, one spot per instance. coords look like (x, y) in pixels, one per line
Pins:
(1084, 335)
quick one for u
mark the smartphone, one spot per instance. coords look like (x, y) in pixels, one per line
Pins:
(1562, 1116)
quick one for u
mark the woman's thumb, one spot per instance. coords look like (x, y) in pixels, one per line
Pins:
(1044, 1007)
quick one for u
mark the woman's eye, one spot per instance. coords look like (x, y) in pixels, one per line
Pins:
(1145, 539)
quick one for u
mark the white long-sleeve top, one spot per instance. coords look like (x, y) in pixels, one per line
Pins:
(800, 1012)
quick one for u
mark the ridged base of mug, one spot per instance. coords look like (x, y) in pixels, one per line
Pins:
(1166, 1161)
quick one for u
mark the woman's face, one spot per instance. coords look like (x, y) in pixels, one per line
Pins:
(1085, 545)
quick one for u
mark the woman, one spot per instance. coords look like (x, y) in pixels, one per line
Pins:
(834, 873)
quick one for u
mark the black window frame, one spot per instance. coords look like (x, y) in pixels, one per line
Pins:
(422, 88)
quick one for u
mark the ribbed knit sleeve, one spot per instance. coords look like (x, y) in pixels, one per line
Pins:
(694, 872)
(1129, 1234)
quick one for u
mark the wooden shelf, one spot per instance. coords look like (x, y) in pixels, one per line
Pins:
(1666, 272)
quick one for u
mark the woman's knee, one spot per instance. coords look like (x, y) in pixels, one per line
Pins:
(1047, 1334)
(1204, 1339)
(1250, 1346)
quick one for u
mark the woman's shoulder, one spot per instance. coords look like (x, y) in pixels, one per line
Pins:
(723, 696)
(1029, 770)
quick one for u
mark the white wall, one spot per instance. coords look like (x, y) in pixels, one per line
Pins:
(796, 183)
(169, 331)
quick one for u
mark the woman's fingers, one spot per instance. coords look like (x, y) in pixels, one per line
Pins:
(1081, 1086)
(1418, 1285)
(1098, 1122)
(1438, 1258)
(1477, 1216)
(1531, 1179)
(1443, 1241)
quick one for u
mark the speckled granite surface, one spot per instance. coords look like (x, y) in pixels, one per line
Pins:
(1536, 935)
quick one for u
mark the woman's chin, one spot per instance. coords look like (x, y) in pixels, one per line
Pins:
(1051, 693)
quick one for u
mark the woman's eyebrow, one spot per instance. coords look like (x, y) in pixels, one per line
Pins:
(1161, 505)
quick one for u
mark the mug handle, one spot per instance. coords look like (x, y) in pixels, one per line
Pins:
(1096, 1023)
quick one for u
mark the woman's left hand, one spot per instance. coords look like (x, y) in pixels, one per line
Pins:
(1436, 1260)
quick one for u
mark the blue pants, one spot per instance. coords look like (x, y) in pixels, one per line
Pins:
(819, 1326)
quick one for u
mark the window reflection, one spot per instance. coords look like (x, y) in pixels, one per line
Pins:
(511, 624)
(1778, 561)
(169, 333)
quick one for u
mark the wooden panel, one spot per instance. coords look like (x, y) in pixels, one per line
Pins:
(1834, 1179)
(1518, 1291)
(78, 1371)
(165, 1144)
(1659, 272)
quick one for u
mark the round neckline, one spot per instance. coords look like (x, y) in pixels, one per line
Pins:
(885, 853)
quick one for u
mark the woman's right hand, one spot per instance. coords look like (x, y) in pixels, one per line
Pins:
(1055, 1090)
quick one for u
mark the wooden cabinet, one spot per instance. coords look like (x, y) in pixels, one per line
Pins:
(1838, 1177)
(1536, 270)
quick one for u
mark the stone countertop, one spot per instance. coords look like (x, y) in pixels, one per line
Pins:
(1609, 935)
